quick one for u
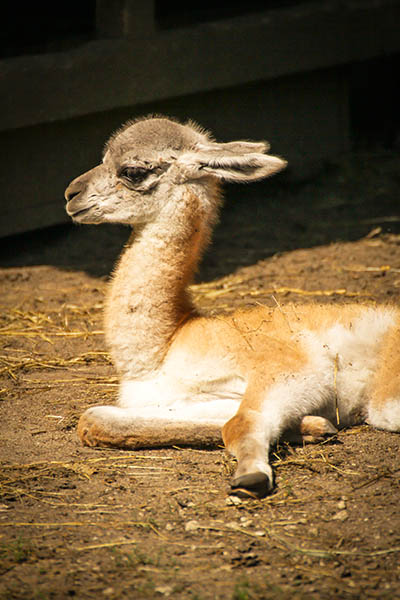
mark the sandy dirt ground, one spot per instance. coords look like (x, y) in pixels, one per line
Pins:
(85, 523)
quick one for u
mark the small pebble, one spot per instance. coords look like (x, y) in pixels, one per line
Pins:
(233, 501)
(342, 515)
(165, 590)
(192, 526)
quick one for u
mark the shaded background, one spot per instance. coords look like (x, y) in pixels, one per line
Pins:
(319, 80)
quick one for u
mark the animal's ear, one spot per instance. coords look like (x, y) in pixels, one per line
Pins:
(233, 161)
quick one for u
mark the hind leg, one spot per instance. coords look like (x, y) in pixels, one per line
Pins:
(384, 413)
(384, 404)
(312, 429)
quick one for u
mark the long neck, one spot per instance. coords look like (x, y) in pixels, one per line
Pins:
(148, 297)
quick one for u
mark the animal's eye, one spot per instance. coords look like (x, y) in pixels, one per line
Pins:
(133, 174)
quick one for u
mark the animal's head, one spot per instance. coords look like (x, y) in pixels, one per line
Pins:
(146, 163)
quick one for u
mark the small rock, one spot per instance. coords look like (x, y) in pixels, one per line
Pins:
(247, 559)
(192, 526)
(341, 505)
(169, 527)
(165, 590)
(108, 591)
(233, 501)
(342, 515)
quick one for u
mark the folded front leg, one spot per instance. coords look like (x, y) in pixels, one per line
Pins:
(111, 426)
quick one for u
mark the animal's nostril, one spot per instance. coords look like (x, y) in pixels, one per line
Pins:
(72, 191)
(70, 195)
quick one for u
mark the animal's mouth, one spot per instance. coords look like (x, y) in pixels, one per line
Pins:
(80, 212)
(74, 214)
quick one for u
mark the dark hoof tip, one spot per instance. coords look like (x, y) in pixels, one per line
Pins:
(253, 485)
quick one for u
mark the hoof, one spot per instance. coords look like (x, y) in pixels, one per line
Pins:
(316, 429)
(252, 485)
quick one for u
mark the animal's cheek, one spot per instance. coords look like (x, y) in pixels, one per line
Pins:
(118, 196)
